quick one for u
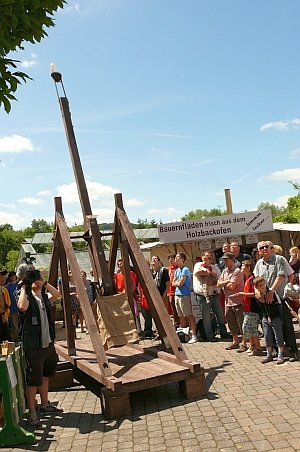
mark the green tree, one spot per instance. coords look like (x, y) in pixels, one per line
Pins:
(277, 211)
(145, 224)
(38, 226)
(20, 21)
(200, 213)
(9, 240)
(11, 260)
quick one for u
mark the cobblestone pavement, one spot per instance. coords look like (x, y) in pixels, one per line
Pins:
(249, 407)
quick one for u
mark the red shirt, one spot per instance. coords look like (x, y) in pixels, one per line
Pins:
(248, 288)
(119, 281)
(171, 270)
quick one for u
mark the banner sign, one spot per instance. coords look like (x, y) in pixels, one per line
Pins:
(215, 227)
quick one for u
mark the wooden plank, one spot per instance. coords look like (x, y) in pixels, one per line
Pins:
(84, 301)
(130, 367)
(64, 281)
(169, 357)
(149, 283)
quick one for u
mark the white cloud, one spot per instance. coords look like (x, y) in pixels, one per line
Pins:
(282, 200)
(72, 6)
(132, 202)
(44, 193)
(96, 191)
(218, 193)
(10, 206)
(294, 154)
(17, 220)
(286, 175)
(282, 125)
(168, 211)
(32, 201)
(205, 162)
(15, 144)
(26, 63)
(102, 215)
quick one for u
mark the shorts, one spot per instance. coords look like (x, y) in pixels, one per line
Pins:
(183, 305)
(40, 363)
(250, 324)
(235, 318)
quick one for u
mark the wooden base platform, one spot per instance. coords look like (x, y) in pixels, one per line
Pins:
(134, 368)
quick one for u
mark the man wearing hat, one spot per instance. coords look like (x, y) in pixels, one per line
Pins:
(4, 308)
(232, 281)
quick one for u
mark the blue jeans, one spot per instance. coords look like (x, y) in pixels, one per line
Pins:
(216, 307)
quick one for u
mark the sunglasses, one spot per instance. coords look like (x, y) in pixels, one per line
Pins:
(263, 247)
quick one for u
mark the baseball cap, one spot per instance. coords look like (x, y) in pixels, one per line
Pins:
(228, 255)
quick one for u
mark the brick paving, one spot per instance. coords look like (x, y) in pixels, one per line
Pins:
(249, 407)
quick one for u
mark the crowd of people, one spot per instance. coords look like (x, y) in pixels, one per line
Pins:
(242, 293)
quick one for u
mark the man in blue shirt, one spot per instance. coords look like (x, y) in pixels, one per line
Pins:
(182, 284)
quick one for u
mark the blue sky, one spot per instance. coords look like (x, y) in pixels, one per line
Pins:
(172, 101)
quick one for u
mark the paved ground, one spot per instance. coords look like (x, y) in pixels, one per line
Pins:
(249, 407)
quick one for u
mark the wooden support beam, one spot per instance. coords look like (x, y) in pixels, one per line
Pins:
(126, 272)
(99, 255)
(114, 247)
(147, 279)
(147, 294)
(96, 247)
(104, 367)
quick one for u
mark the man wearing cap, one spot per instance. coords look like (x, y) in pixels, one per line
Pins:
(4, 308)
(38, 334)
(232, 281)
(13, 291)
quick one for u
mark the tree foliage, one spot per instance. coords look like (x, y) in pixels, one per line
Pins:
(20, 21)
(200, 213)
(288, 214)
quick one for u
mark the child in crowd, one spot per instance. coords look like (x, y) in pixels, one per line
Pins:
(204, 267)
(251, 311)
(271, 321)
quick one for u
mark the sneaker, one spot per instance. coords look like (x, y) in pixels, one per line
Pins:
(193, 340)
(50, 408)
(33, 422)
(256, 352)
(243, 348)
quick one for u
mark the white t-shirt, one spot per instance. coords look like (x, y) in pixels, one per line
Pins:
(197, 285)
(46, 339)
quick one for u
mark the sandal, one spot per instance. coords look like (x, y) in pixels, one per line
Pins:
(280, 360)
(267, 359)
(232, 346)
(50, 408)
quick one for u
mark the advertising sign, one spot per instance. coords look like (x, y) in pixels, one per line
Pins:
(215, 227)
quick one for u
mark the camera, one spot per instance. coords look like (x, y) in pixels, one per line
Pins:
(31, 276)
